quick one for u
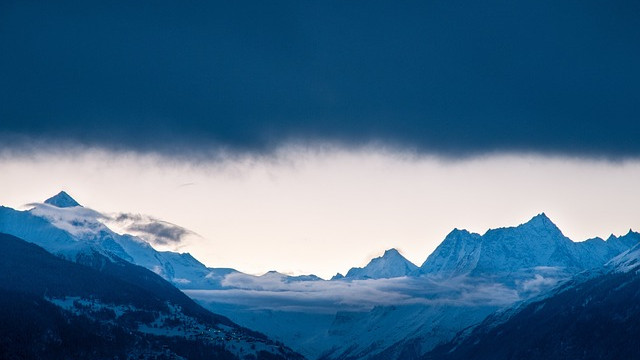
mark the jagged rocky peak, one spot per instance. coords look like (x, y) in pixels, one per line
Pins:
(540, 222)
(630, 235)
(458, 252)
(392, 256)
(456, 234)
(62, 200)
(541, 218)
(624, 242)
(391, 253)
(535, 243)
(457, 238)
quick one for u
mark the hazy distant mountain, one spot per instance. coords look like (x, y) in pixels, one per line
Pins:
(391, 264)
(53, 308)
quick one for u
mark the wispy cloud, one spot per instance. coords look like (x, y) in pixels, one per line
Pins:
(538, 283)
(153, 230)
(82, 220)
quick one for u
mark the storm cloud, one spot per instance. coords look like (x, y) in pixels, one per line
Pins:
(453, 78)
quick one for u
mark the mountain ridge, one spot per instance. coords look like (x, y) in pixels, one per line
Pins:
(537, 242)
(500, 250)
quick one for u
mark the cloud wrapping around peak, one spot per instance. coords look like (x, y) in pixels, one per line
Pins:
(452, 78)
(152, 230)
(80, 221)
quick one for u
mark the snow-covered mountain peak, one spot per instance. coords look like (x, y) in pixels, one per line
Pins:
(75, 232)
(391, 264)
(391, 253)
(629, 235)
(62, 200)
(536, 243)
(458, 253)
(541, 224)
(632, 235)
(456, 234)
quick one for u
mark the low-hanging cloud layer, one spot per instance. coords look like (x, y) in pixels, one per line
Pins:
(454, 78)
(274, 292)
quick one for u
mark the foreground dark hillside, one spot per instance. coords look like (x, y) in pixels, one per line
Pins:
(593, 319)
(53, 308)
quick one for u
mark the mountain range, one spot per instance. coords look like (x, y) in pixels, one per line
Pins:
(535, 243)
(470, 292)
(592, 316)
(88, 302)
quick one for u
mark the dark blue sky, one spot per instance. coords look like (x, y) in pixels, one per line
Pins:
(441, 76)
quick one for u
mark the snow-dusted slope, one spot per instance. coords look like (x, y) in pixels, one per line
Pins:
(628, 260)
(398, 332)
(458, 253)
(41, 231)
(594, 315)
(391, 264)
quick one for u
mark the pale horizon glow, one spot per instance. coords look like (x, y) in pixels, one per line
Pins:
(323, 211)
